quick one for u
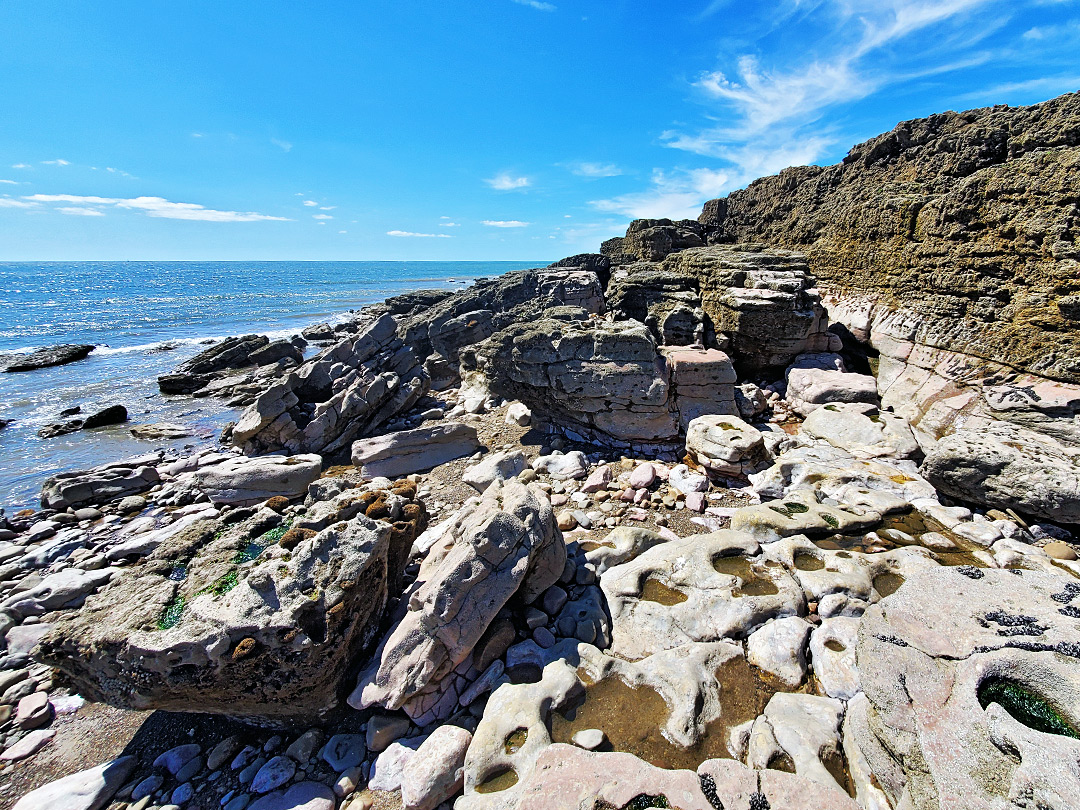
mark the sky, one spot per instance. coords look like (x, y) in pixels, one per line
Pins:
(461, 129)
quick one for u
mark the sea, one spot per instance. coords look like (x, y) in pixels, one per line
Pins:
(145, 319)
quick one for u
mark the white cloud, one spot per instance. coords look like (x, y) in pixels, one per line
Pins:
(159, 207)
(196, 135)
(537, 4)
(57, 162)
(677, 195)
(21, 166)
(449, 224)
(322, 216)
(505, 223)
(7, 202)
(506, 182)
(342, 231)
(420, 235)
(310, 203)
(596, 169)
(327, 207)
(284, 146)
(81, 212)
(9, 182)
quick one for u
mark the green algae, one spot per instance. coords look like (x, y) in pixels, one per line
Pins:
(1025, 706)
(172, 613)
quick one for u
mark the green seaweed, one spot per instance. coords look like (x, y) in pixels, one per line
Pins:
(1025, 706)
(222, 585)
(172, 613)
(832, 521)
(796, 508)
(255, 548)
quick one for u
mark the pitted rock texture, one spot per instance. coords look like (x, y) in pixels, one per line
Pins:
(226, 619)
(926, 674)
(957, 231)
(346, 392)
(504, 544)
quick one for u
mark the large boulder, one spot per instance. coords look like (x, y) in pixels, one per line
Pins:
(726, 445)
(91, 789)
(973, 704)
(244, 481)
(409, 451)
(506, 544)
(1008, 467)
(100, 485)
(224, 619)
(345, 392)
(230, 354)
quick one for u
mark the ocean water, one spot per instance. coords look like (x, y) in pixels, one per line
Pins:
(132, 311)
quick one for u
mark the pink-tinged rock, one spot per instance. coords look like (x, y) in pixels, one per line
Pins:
(437, 771)
(637, 514)
(643, 476)
(597, 480)
(695, 501)
(34, 710)
(641, 495)
(667, 533)
(387, 772)
(627, 495)
(28, 745)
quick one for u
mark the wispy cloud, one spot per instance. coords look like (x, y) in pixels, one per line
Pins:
(57, 162)
(678, 195)
(449, 224)
(284, 146)
(8, 202)
(310, 203)
(595, 169)
(81, 212)
(765, 107)
(507, 182)
(21, 166)
(414, 235)
(505, 223)
(322, 216)
(537, 4)
(327, 207)
(10, 182)
(157, 207)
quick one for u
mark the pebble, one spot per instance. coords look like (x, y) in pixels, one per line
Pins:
(347, 782)
(275, 773)
(543, 637)
(566, 521)
(304, 747)
(147, 786)
(588, 738)
(1059, 551)
(301, 796)
(249, 772)
(183, 793)
(344, 751)
(223, 752)
(176, 758)
(34, 710)
(238, 802)
(28, 745)
(191, 767)
(383, 729)
(553, 600)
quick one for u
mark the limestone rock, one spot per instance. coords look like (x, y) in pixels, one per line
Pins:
(45, 357)
(811, 384)
(196, 624)
(955, 693)
(725, 445)
(245, 481)
(345, 392)
(101, 484)
(779, 647)
(408, 451)
(437, 772)
(87, 790)
(505, 544)
(1008, 467)
(862, 430)
(495, 467)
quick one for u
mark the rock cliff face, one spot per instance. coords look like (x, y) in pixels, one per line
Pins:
(957, 231)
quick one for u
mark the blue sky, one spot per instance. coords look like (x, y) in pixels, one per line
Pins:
(454, 129)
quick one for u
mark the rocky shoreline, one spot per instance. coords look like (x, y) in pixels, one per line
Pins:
(710, 519)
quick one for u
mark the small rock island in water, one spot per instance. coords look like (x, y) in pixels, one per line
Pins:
(769, 509)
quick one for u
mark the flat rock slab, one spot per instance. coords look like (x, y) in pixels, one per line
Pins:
(44, 358)
(244, 481)
(408, 451)
(87, 790)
